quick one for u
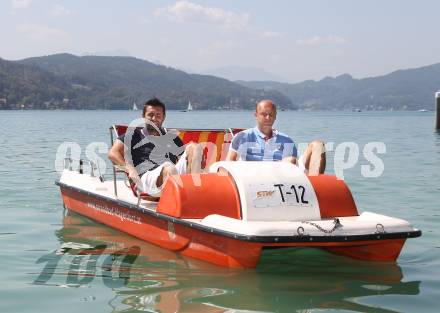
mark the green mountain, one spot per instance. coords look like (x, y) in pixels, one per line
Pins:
(65, 81)
(22, 84)
(410, 89)
(98, 82)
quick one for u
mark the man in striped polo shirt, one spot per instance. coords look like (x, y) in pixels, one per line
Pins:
(264, 143)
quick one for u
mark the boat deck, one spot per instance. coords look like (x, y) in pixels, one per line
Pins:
(105, 189)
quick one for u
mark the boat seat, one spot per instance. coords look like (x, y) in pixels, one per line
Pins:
(215, 194)
(215, 147)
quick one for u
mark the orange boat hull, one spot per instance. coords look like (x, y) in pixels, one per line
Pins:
(215, 248)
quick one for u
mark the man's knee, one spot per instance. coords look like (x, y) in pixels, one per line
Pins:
(194, 152)
(317, 146)
(190, 148)
(289, 159)
(168, 170)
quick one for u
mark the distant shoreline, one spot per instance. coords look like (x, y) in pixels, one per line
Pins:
(216, 110)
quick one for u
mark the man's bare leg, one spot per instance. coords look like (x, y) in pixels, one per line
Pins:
(194, 158)
(315, 158)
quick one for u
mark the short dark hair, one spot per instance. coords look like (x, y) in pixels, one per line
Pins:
(154, 102)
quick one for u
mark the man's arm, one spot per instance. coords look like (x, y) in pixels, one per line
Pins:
(116, 155)
(290, 154)
(234, 147)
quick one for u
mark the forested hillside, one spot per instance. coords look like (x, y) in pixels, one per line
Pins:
(96, 82)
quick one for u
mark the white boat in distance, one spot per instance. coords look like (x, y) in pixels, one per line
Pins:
(135, 108)
(189, 108)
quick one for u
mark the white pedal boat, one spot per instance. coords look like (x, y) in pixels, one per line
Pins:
(228, 215)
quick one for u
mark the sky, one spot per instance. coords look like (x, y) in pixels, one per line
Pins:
(290, 39)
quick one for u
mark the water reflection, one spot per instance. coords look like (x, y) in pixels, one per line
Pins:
(147, 278)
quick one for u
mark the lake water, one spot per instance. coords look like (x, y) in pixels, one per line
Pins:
(54, 261)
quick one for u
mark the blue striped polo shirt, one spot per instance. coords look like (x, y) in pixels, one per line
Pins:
(250, 145)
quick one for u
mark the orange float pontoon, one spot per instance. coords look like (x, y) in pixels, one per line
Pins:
(228, 215)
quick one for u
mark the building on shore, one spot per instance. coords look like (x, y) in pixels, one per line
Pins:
(4, 103)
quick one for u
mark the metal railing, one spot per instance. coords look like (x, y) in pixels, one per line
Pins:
(93, 167)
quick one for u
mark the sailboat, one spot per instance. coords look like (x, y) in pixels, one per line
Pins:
(135, 108)
(189, 108)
